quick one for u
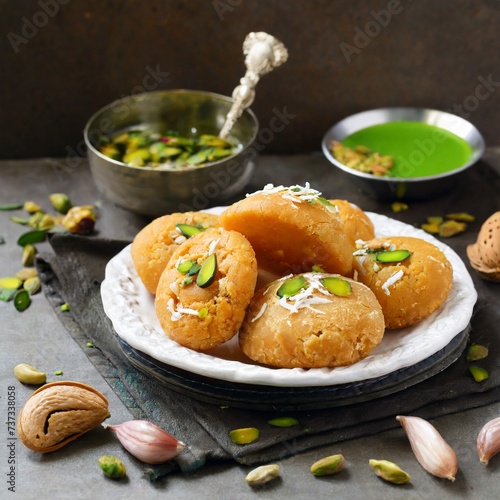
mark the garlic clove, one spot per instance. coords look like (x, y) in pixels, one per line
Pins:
(146, 441)
(488, 440)
(432, 452)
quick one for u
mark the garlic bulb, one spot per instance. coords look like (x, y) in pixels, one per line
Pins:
(488, 440)
(146, 441)
(484, 255)
(433, 453)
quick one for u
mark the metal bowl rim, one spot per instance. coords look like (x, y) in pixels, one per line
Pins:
(158, 92)
(474, 157)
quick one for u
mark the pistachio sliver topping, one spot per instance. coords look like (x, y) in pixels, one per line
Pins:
(188, 230)
(186, 266)
(393, 255)
(337, 286)
(292, 286)
(283, 422)
(206, 274)
(479, 374)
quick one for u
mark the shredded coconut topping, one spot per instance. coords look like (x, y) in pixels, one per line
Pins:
(260, 313)
(174, 286)
(213, 246)
(296, 193)
(393, 278)
(306, 298)
(177, 313)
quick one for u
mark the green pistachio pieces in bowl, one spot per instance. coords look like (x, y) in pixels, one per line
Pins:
(337, 286)
(389, 256)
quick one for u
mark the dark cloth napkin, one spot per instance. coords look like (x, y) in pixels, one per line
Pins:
(73, 274)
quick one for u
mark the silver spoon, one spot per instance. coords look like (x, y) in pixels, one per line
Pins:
(263, 53)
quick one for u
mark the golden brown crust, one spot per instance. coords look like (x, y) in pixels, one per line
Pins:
(290, 237)
(225, 300)
(357, 224)
(337, 333)
(154, 244)
(424, 285)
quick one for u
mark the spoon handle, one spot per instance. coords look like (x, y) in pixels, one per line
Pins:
(263, 53)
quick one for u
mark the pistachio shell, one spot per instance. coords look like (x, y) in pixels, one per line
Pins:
(59, 413)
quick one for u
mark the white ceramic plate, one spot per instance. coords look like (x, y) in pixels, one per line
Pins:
(131, 309)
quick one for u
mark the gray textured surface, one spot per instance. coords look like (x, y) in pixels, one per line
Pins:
(37, 337)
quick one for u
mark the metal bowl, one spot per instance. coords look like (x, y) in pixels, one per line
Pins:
(391, 188)
(154, 192)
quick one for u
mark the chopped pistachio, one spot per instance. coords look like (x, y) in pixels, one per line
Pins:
(317, 268)
(283, 422)
(207, 272)
(112, 467)
(244, 436)
(26, 273)
(58, 372)
(31, 207)
(35, 219)
(65, 307)
(476, 352)
(399, 206)
(90, 345)
(430, 228)
(10, 283)
(292, 286)
(47, 222)
(80, 220)
(19, 220)
(435, 219)
(28, 255)
(60, 202)
(21, 300)
(478, 373)
(203, 312)
(461, 217)
(11, 206)
(6, 295)
(451, 228)
(31, 237)
(32, 285)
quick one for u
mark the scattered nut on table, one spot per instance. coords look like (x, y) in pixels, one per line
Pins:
(59, 413)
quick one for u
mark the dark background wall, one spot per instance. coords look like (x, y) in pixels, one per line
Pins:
(61, 60)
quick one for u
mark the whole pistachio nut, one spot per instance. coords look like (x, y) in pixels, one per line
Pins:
(47, 222)
(28, 255)
(263, 474)
(32, 285)
(390, 472)
(27, 374)
(328, 466)
(60, 202)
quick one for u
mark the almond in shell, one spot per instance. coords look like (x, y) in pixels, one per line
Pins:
(59, 413)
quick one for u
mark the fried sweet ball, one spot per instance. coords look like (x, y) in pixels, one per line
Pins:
(154, 244)
(201, 308)
(291, 230)
(313, 327)
(409, 276)
(357, 224)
